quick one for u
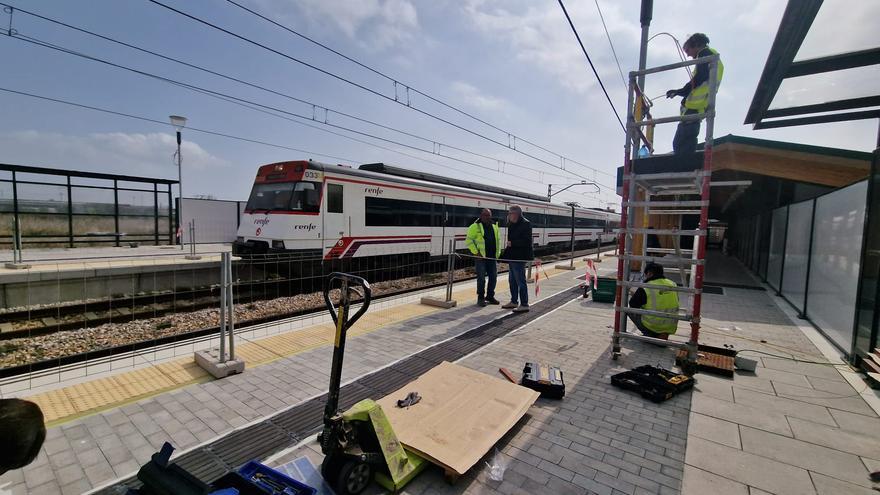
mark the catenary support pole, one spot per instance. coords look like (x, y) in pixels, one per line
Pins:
(647, 12)
(571, 261)
(450, 270)
(223, 300)
(230, 305)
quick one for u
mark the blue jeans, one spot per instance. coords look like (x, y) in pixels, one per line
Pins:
(486, 267)
(516, 278)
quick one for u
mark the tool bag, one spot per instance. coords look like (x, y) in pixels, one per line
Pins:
(544, 379)
(653, 383)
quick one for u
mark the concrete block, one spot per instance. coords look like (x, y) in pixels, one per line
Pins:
(565, 266)
(17, 266)
(438, 302)
(209, 360)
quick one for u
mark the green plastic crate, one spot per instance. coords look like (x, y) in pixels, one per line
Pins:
(605, 290)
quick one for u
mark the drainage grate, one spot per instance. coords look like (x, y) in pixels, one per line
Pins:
(713, 289)
(291, 426)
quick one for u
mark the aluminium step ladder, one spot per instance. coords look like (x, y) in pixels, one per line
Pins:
(665, 193)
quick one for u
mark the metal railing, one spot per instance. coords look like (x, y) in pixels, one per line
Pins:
(57, 207)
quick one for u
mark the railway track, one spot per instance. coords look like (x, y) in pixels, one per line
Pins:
(11, 372)
(90, 314)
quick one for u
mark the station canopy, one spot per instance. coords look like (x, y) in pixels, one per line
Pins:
(822, 67)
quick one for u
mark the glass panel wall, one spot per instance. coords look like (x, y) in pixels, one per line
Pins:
(797, 252)
(834, 267)
(777, 248)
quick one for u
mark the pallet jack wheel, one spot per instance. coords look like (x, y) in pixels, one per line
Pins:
(353, 478)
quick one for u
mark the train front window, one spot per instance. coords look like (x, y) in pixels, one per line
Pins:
(285, 196)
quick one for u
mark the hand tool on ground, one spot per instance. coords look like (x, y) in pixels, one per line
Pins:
(359, 444)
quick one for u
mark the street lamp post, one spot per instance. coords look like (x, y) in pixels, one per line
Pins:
(179, 122)
(573, 205)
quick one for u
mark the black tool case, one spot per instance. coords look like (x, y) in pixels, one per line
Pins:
(653, 383)
(547, 380)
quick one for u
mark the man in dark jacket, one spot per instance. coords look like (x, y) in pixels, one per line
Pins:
(695, 94)
(519, 251)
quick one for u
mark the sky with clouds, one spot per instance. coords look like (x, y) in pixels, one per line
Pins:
(512, 63)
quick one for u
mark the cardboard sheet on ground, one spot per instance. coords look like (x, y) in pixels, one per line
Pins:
(462, 414)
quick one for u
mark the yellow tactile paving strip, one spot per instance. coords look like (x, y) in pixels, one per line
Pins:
(74, 401)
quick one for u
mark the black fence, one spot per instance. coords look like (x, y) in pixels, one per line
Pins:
(64, 208)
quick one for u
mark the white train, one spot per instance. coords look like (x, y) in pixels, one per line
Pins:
(313, 210)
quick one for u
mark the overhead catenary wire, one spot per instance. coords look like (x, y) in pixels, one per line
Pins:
(397, 82)
(211, 132)
(384, 96)
(590, 61)
(611, 44)
(314, 105)
(271, 111)
(168, 124)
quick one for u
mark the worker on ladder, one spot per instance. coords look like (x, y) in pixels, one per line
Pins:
(655, 298)
(695, 93)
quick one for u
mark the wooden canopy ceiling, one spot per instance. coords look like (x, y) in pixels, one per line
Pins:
(788, 161)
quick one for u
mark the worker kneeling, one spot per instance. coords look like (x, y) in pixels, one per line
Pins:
(655, 298)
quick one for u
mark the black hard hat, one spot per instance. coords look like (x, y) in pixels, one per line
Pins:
(697, 39)
(654, 268)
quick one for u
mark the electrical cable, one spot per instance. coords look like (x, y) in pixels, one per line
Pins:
(377, 93)
(270, 110)
(584, 49)
(168, 124)
(613, 51)
(409, 87)
(678, 49)
(254, 85)
(215, 133)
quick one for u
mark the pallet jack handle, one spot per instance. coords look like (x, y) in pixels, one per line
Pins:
(348, 283)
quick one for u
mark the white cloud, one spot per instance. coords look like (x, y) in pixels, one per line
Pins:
(115, 152)
(374, 24)
(539, 34)
(475, 98)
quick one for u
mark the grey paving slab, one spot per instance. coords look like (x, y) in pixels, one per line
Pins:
(811, 457)
(742, 414)
(826, 485)
(749, 469)
(857, 443)
(597, 440)
(846, 401)
(785, 406)
(716, 430)
(699, 482)
(857, 423)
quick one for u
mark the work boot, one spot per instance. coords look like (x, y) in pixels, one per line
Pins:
(522, 308)
(481, 302)
(492, 301)
(510, 305)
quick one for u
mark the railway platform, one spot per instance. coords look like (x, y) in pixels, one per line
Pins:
(59, 276)
(791, 427)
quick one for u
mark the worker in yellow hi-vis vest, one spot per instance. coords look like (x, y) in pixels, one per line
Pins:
(695, 93)
(658, 297)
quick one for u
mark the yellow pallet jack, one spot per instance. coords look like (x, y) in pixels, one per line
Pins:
(359, 445)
